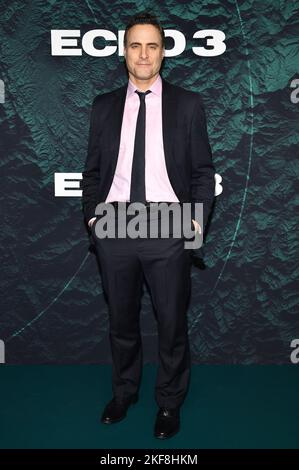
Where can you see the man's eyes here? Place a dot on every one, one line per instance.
(151, 47)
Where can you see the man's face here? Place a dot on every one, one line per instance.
(144, 52)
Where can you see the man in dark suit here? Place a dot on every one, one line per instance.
(148, 143)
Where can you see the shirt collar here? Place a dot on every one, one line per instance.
(155, 88)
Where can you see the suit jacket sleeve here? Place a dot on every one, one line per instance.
(203, 171)
(91, 174)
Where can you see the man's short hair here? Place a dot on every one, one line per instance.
(144, 18)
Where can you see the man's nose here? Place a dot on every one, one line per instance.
(143, 53)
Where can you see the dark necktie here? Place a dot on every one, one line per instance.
(137, 193)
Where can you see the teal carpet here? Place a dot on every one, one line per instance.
(231, 407)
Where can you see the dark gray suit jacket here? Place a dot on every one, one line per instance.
(187, 150)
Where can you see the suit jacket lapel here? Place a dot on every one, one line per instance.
(113, 126)
(168, 126)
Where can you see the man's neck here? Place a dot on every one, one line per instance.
(143, 85)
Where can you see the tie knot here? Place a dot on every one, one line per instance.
(142, 94)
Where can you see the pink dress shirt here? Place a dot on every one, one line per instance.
(157, 184)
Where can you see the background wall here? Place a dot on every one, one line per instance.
(244, 305)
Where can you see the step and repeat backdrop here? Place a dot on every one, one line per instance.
(243, 57)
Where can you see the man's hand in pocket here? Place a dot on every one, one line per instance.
(197, 227)
(91, 221)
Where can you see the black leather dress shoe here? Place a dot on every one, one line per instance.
(116, 409)
(167, 423)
